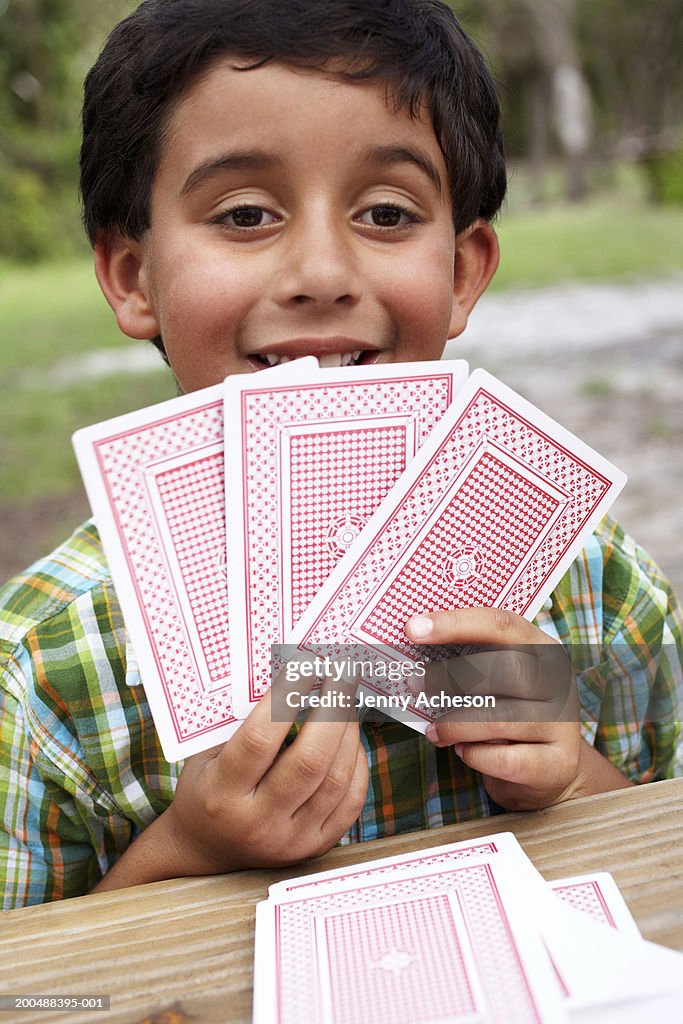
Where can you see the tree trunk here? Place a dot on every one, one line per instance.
(539, 140)
(553, 22)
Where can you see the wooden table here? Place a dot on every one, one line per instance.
(181, 951)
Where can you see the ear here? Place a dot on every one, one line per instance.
(119, 268)
(476, 261)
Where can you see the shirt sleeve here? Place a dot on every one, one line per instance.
(82, 772)
(632, 696)
(55, 819)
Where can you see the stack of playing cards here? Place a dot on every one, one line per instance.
(468, 932)
(322, 507)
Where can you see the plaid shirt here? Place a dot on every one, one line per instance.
(82, 772)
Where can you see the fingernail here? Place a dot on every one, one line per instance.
(432, 734)
(420, 626)
(458, 749)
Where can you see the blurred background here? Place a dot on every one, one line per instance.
(585, 317)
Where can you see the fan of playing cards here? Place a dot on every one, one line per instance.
(317, 507)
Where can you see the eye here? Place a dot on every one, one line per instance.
(245, 217)
(388, 215)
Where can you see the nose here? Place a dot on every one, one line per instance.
(319, 266)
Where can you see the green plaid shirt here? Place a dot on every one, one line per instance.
(81, 769)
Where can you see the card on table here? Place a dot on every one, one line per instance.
(432, 857)
(307, 463)
(155, 482)
(598, 896)
(595, 895)
(415, 940)
(491, 512)
(599, 965)
(591, 941)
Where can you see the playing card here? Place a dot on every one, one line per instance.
(155, 481)
(593, 971)
(599, 966)
(598, 897)
(420, 944)
(428, 859)
(491, 512)
(307, 463)
(655, 1006)
(595, 895)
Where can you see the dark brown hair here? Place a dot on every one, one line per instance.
(153, 56)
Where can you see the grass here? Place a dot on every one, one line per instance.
(597, 387)
(604, 240)
(51, 313)
(36, 458)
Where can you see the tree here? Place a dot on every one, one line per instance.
(45, 48)
(635, 56)
(554, 24)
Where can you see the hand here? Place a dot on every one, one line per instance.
(528, 748)
(246, 804)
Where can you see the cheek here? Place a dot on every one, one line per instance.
(195, 324)
(425, 293)
(205, 300)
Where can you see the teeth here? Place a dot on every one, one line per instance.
(330, 359)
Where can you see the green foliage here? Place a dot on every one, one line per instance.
(633, 55)
(665, 174)
(37, 221)
(45, 48)
(23, 228)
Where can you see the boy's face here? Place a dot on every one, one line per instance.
(295, 214)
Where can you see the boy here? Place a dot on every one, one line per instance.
(266, 180)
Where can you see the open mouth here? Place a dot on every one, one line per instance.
(327, 359)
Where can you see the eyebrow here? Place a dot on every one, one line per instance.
(386, 156)
(255, 160)
(237, 161)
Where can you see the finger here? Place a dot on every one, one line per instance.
(517, 720)
(507, 672)
(243, 761)
(474, 626)
(302, 767)
(334, 786)
(521, 693)
(349, 808)
(523, 764)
